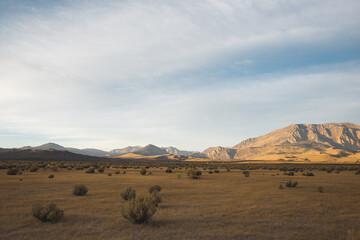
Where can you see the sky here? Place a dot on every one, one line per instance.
(190, 74)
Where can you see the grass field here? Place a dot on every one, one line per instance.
(224, 205)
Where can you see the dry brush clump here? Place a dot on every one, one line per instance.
(12, 171)
(80, 190)
(193, 173)
(128, 194)
(143, 171)
(155, 188)
(291, 184)
(156, 197)
(139, 210)
(308, 174)
(47, 213)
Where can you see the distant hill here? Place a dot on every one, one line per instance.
(121, 151)
(46, 146)
(173, 150)
(87, 151)
(151, 150)
(43, 155)
(301, 141)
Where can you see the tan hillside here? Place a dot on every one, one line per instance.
(220, 153)
(336, 135)
(331, 142)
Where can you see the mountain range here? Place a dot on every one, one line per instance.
(296, 141)
(332, 142)
(148, 150)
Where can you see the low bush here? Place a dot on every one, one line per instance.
(357, 172)
(47, 212)
(320, 189)
(90, 170)
(128, 194)
(101, 170)
(178, 176)
(291, 184)
(193, 173)
(34, 168)
(51, 176)
(247, 174)
(210, 172)
(117, 172)
(216, 171)
(281, 186)
(289, 173)
(169, 170)
(308, 174)
(80, 190)
(109, 174)
(143, 171)
(156, 197)
(12, 171)
(155, 188)
(139, 210)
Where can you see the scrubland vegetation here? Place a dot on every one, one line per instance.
(271, 202)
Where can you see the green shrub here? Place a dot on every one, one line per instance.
(139, 210)
(128, 194)
(291, 184)
(156, 197)
(51, 176)
(193, 173)
(12, 171)
(155, 188)
(143, 171)
(80, 190)
(47, 213)
(178, 176)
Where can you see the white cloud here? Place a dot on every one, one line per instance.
(107, 75)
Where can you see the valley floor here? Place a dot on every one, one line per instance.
(224, 205)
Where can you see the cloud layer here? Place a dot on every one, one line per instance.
(189, 74)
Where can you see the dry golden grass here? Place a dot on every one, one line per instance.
(226, 205)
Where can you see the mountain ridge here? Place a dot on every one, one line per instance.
(304, 137)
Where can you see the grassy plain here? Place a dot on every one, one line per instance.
(224, 205)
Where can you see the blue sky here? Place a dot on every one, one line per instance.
(189, 74)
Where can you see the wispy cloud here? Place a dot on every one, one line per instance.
(189, 74)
